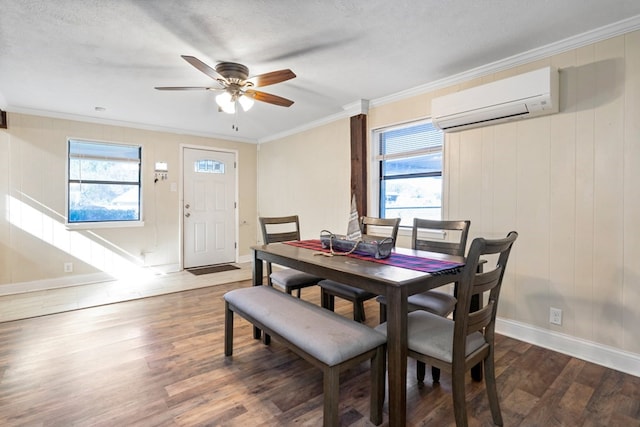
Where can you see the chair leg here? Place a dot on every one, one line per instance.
(383, 313)
(492, 389)
(420, 370)
(328, 301)
(459, 402)
(435, 374)
(358, 311)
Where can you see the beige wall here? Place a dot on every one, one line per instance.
(34, 243)
(308, 175)
(568, 183)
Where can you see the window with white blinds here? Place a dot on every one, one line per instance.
(408, 162)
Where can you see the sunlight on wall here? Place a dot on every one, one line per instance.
(95, 253)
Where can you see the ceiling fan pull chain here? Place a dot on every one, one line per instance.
(234, 126)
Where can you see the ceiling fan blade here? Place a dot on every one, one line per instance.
(267, 97)
(273, 77)
(204, 68)
(184, 88)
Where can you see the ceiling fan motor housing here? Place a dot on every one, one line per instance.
(233, 72)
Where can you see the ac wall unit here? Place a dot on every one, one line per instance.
(523, 96)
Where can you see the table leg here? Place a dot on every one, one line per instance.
(397, 354)
(257, 281)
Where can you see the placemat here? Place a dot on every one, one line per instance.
(426, 265)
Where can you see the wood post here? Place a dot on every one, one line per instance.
(359, 161)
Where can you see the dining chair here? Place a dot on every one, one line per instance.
(454, 243)
(285, 229)
(456, 345)
(455, 233)
(372, 227)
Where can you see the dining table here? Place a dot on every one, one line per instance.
(396, 278)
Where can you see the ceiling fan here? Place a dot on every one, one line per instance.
(236, 86)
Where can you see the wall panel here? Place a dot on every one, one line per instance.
(568, 183)
(631, 194)
(608, 182)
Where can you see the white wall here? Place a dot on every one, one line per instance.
(568, 183)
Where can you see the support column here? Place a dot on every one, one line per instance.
(359, 161)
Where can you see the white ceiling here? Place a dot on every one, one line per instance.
(64, 58)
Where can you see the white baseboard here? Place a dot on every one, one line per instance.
(600, 354)
(55, 283)
(245, 258)
(74, 280)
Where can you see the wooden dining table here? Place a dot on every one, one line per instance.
(396, 283)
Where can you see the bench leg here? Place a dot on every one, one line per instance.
(331, 398)
(378, 371)
(228, 330)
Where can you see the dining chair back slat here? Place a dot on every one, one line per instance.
(369, 226)
(285, 229)
(449, 246)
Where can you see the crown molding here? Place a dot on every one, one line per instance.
(122, 123)
(353, 109)
(574, 42)
(307, 126)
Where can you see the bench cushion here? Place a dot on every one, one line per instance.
(328, 337)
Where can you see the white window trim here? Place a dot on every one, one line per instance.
(373, 171)
(101, 224)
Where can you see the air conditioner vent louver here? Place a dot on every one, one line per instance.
(523, 96)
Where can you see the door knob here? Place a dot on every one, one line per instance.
(187, 206)
(187, 214)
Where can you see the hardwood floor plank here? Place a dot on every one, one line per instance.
(159, 361)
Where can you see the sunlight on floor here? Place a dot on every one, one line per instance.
(39, 303)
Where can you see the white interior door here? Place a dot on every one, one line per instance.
(208, 207)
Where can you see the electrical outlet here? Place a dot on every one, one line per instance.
(68, 267)
(555, 316)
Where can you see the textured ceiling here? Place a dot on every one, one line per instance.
(66, 57)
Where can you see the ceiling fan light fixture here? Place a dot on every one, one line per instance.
(245, 102)
(226, 102)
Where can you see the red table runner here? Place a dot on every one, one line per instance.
(426, 265)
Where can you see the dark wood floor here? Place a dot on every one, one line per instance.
(159, 362)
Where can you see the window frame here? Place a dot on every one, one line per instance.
(375, 165)
(79, 225)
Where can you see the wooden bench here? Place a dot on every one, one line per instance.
(327, 340)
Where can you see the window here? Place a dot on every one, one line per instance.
(408, 162)
(103, 182)
(208, 166)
